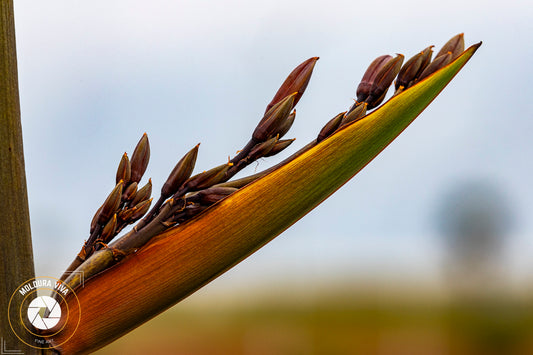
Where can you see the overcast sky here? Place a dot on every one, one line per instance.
(95, 75)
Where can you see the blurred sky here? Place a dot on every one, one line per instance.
(95, 75)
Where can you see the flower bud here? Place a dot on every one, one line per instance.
(207, 178)
(111, 204)
(124, 170)
(213, 194)
(355, 114)
(286, 124)
(330, 127)
(426, 59)
(94, 221)
(410, 69)
(140, 158)
(279, 146)
(143, 193)
(438, 63)
(364, 87)
(124, 215)
(296, 82)
(109, 230)
(181, 172)
(273, 121)
(262, 149)
(129, 192)
(189, 212)
(456, 46)
(382, 81)
(139, 210)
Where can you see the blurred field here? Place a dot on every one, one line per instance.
(337, 323)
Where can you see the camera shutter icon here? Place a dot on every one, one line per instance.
(44, 312)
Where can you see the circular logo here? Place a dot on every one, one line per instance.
(44, 312)
(40, 310)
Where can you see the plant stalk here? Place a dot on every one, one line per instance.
(16, 264)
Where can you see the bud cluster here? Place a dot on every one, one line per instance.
(184, 195)
(380, 74)
(421, 66)
(126, 203)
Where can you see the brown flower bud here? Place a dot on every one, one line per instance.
(406, 79)
(111, 204)
(261, 149)
(456, 46)
(364, 87)
(436, 64)
(409, 71)
(139, 210)
(286, 124)
(207, 178)
(109, 230)
(94, 221)
(355, 114)
(296, 82)
(279, 146)
(378, 101)
(129, 192)
(213, 194)
(382, 81)
(181, 172)
(426, 59)
(140, 158)
(330, 127)
(273, 120)
(124, 169)
(143, 193)
(125, 214)
(189, 212)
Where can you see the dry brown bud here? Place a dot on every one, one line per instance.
(273, 121)
(426, 59)
(94, 221)
(111, 204)
(456, 46)
(262, 149)
(296, 82)
(125, 214)
(286, 124)
(109, 230)
(409, 70)
(436, 64)
(143, 193)
(139, 210)
(129, 192)
(355, 114)
(378, 101)
(140, 158)
(207, 178)
(330, 127)
(181, 172)
(124, 169)
(364, 87)
(189, 212)
(382, 81)
(213, 194)
(279, 146)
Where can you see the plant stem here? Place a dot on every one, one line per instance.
(16, 264)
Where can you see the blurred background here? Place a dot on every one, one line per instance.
(426, 251)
